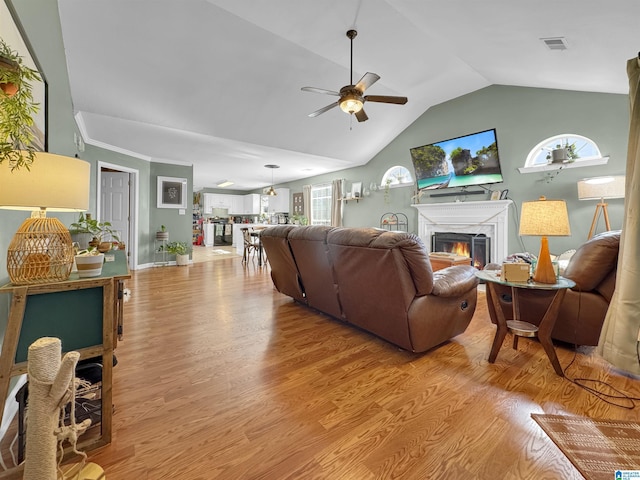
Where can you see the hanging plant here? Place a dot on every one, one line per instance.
(387, 188)
(17, 109)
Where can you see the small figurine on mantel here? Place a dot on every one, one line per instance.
(51, 387)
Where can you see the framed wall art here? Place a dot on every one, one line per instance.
(172, 192)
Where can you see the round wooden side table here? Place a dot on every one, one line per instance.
(517, 327)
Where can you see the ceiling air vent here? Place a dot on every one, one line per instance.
(555, 43)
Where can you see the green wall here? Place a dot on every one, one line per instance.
(179, 226)
(522, 117)
(41, 25)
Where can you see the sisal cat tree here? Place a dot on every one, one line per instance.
(51, 387)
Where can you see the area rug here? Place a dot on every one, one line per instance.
(208, 254)
(597, 448)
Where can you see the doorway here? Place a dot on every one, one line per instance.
(117, 203)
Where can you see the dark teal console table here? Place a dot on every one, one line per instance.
(86, 314)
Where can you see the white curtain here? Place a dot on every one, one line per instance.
(336, 203)
(306, 202)
(621, 330)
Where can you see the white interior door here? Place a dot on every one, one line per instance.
(114, 203)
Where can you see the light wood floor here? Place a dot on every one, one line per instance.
(222, 377)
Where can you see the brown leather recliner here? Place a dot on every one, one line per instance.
(285, 277)
(380, 281)
(310, 250)
(584, 307)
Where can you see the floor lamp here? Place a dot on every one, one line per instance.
(599, 188)
(41, 250)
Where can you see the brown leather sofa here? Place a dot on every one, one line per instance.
(377, 280)
(583, 309)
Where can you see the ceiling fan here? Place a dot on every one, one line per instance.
(352, 96)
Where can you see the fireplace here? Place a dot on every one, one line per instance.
(487, 217)
(476, 246)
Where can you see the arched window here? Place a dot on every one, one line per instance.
(397, 176)
(563, 149)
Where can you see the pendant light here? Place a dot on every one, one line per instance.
(271, 192)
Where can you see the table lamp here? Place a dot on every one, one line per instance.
(544, 218)
(41, 250)
(599, 188)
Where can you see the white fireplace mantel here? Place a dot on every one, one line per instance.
(488, 217)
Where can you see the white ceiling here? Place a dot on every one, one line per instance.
(216, 84)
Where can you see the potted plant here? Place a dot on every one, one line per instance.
(17, 109)
(180, 250)
(89, 262)
(563, 153)
(387, 188)
(299, 220)
(88, 232)
(162, 234)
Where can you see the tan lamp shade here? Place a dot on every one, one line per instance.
(53, 182)
(598, 188)
(544, 218)
(41, 250)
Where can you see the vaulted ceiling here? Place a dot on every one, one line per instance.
(216, 84)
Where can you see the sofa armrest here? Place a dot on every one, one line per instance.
(454, 281)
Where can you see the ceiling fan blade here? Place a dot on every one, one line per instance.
(322, 110)
(361, 116)
(367, 80)
(320, 90)
(386, 99)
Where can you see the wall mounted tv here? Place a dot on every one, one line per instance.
(458, 162)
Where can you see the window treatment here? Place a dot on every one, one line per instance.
(620, 332)
(306, 202)
(336, 203)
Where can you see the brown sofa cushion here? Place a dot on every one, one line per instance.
(410, 245)
(594, 261)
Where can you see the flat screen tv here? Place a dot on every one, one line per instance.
(458, 162)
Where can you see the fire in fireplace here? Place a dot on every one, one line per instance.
(475, 246)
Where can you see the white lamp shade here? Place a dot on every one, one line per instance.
(597, 188)
(53, 182)
(544, 218)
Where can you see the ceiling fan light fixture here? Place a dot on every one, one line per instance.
(351, 103)
(352, 96)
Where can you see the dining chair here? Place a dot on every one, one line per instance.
(251, 245)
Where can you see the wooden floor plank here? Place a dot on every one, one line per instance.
(220, 376)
